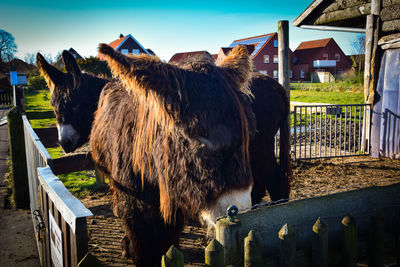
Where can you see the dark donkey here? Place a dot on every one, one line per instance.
(270, 105)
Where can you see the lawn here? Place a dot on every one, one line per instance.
(326, 97)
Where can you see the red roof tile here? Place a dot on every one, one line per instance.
(314, 44)
(116, 43)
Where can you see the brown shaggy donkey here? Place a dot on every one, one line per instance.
(75, 96)
(175, 144)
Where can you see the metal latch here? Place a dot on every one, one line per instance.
(40, 226)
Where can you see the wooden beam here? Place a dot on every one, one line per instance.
(299, 20)
(283, 55)
(345, 14)
(340, 5)
(391, 26)
(386, 3)
(390, 13)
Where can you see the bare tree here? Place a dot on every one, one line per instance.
(30, 58)
(358, 56)
(7, 46)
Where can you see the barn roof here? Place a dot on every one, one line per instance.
(349, 15)
(257, 41)
(178, 57)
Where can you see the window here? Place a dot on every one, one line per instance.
(290, 74)
(74, 55)
(337, 57)
(275, 58)
(275, 74)
(124, 51)
(302, 74)
(325, 56)
(340, 72)
(266, 58)
(275, 43)
(264, 72)
(135, 51)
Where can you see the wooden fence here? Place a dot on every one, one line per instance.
(59, 218)
(341, 229)
(6, 98)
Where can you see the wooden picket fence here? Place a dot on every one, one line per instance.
(343, 229)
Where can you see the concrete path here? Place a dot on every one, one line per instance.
(17, 239)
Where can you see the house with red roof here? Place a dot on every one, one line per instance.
(128, 45)
(263, 50)
(179, 57)
(322, 55)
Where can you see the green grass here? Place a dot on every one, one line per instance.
(326, 97)
(55, 152)
(38, 109)
(80, 183)
(37, 100)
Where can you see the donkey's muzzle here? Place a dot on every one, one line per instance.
(67, 144)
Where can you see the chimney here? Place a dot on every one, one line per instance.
(121, 35)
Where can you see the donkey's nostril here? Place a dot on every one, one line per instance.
(66, 144)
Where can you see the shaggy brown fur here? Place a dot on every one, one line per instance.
(172, 143)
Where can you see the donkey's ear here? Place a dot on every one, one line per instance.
(72, 67)
(52, 75)
(238, 63)
(119, 64)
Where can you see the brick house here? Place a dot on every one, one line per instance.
(128, 45)
(322, 55)
(264, 52)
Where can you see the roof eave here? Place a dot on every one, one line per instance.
(300, 19)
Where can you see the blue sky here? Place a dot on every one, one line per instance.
(167, 27)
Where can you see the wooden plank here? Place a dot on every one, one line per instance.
(391, 26)
(340, 5)
(386, 3)
(66, 242)
(45, 212)
(73, 163)
(301, 214)
(345, 14)
(299, 20)
(70, 207)
(390, 13)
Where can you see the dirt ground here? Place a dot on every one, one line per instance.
(311, 178)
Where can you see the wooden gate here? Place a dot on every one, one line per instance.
(59, 218)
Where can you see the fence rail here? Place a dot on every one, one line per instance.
(322, 131)
(59, 218)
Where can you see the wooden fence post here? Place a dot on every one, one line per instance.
(227, 233)
(376, 240)
(350, 237)
(18, 157)
(214, 254)
(252, 250)
(287, 252)
(320, 244)
(173, 258)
